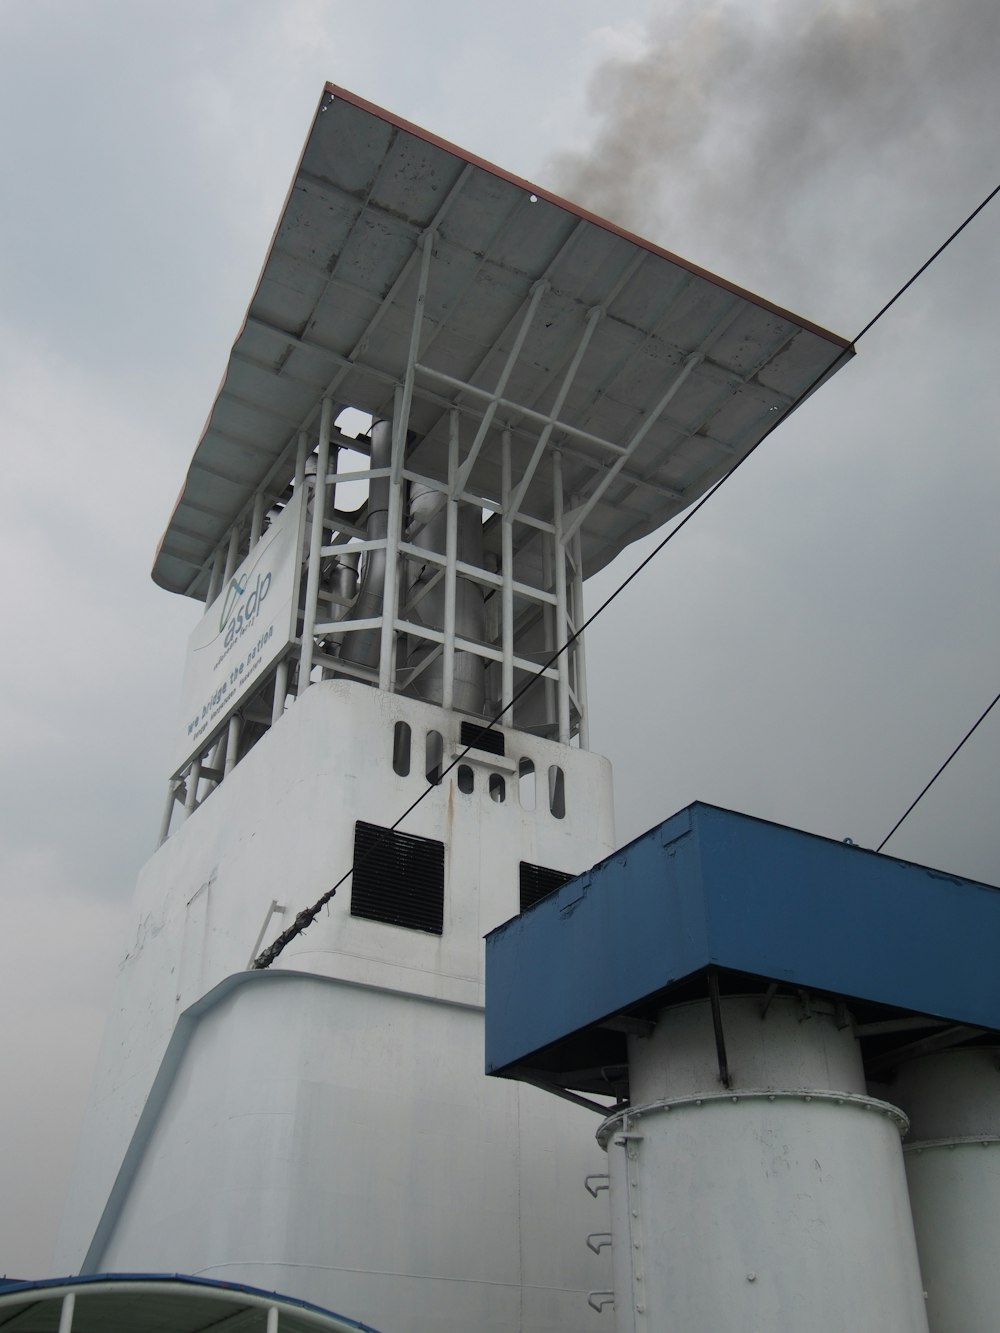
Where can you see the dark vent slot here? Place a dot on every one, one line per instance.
(537, 881)
(474, 734)
(398, 878)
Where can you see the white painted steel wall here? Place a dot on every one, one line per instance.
(953, 1168)
(778, 1205)
(317, 1140)
(334, 1136)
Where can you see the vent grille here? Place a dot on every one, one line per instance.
(398, 878)
(538, 881)
(475, 735)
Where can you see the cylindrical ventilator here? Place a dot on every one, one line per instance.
(777, 1203)
(953, 1166)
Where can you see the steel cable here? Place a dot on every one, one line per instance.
(309, 914)
(917, 799)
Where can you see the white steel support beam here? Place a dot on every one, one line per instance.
(232, 744)
(415, 598)
(191, 795)
(474, 275)
(474, 572)
(487, 653)
(168, 811)
(538, 290)
(471, 497)
(728, 317)
(256, 519)
(593, 316)
(66, 1312)
(580, 514)
(215, 578)
(280, 690)
(507, 574)
(348, 363)
(340, 666)
(580, 654)
(549, 621)
(301, 454)
(390, 592)
(232, 554)
(428, 661)
(284, 666)
(315, 545)
(216, 760)
(450, 572)
(562, 630)
(529, 413)
(402, 398)
(332, 479)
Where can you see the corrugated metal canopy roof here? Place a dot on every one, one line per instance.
(333, 312)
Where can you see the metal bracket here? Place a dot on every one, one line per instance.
(597, 1300)
(596, 1189)
(276, 909)
(720, 1037)
(632, 1027)
(598, 1240)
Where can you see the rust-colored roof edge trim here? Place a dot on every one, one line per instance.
(334, 90)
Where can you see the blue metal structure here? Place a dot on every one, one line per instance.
(711, 893)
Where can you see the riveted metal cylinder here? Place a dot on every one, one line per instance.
(776, 1203)
(953, 1169)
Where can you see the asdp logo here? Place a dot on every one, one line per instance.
(240, 608)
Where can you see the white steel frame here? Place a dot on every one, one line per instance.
(158, 1293)
(559, 597)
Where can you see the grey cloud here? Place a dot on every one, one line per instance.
(798, 142)
(808, 649)
(822, 634)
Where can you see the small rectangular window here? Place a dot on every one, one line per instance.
(537, 881)
(398, 878)
(475, 735)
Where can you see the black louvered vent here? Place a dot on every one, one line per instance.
(398, 878)
(473, 734)
(537, 881)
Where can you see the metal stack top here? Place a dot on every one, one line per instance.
(333, 313)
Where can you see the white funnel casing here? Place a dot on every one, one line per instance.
(777, 1204)
(325, 1127)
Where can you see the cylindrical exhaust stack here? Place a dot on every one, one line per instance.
(775, 1203)
(953, 1166)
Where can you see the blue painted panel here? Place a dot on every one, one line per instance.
(785, 904)
(586, 951)
(713, 887)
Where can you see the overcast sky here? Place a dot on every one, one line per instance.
(808, 650)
